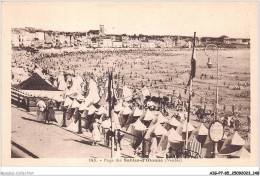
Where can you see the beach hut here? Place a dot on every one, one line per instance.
(159, 118)
(242, 153)
(68, 102)
(36, 82)
(72, 126)
(91, 110)
(57, 98)
(173, 122)
(118, 107)
(102, 110)
(138, 112)
(247, 146)
(148, 118)
(233, 143)
(182, 129)
(171, 139)
(159, 130)
(137, 129)
(75, 103)
(200, 133)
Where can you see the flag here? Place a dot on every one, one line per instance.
(145, 91)
(193, 65)
(111, 94)
(193, 68)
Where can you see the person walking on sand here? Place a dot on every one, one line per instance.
(50, 113)
(41, 110)
(95, 133)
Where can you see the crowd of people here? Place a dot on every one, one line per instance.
(84, 96)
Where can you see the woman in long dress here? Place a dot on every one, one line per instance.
(96, 133)
(41, 110)
(50, 113)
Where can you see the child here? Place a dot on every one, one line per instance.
(95, 133)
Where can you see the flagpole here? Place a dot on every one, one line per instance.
(190, 93)
(110, 111)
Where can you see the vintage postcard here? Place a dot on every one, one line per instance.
(129, 84)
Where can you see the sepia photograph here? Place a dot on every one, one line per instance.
(131, 82)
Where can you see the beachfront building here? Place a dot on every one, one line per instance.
(134, 42)
(94, 43)
(125, 40)
(38, 39)
(64, 40)
(146, 44)
(182, 41)
(225, 40)
(87, 41)
(117, 44)
(49, 39)
(28, 38)
(101, 42)
(107, 42)
(242, 41)
(168, 42)
(158, 43)
(16, 38)
(93, 33)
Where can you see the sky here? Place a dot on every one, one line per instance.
(152, 18)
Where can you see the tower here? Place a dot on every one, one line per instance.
(101, 30)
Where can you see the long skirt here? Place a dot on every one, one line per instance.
(51, 115)
(96, 135)
(41, 116)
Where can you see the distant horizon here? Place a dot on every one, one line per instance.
(137, 34)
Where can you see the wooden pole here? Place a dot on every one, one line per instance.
(64, 117)
(190, 94)
(79, 125)
(110, 112)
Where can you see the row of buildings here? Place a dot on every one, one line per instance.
(30, 37)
